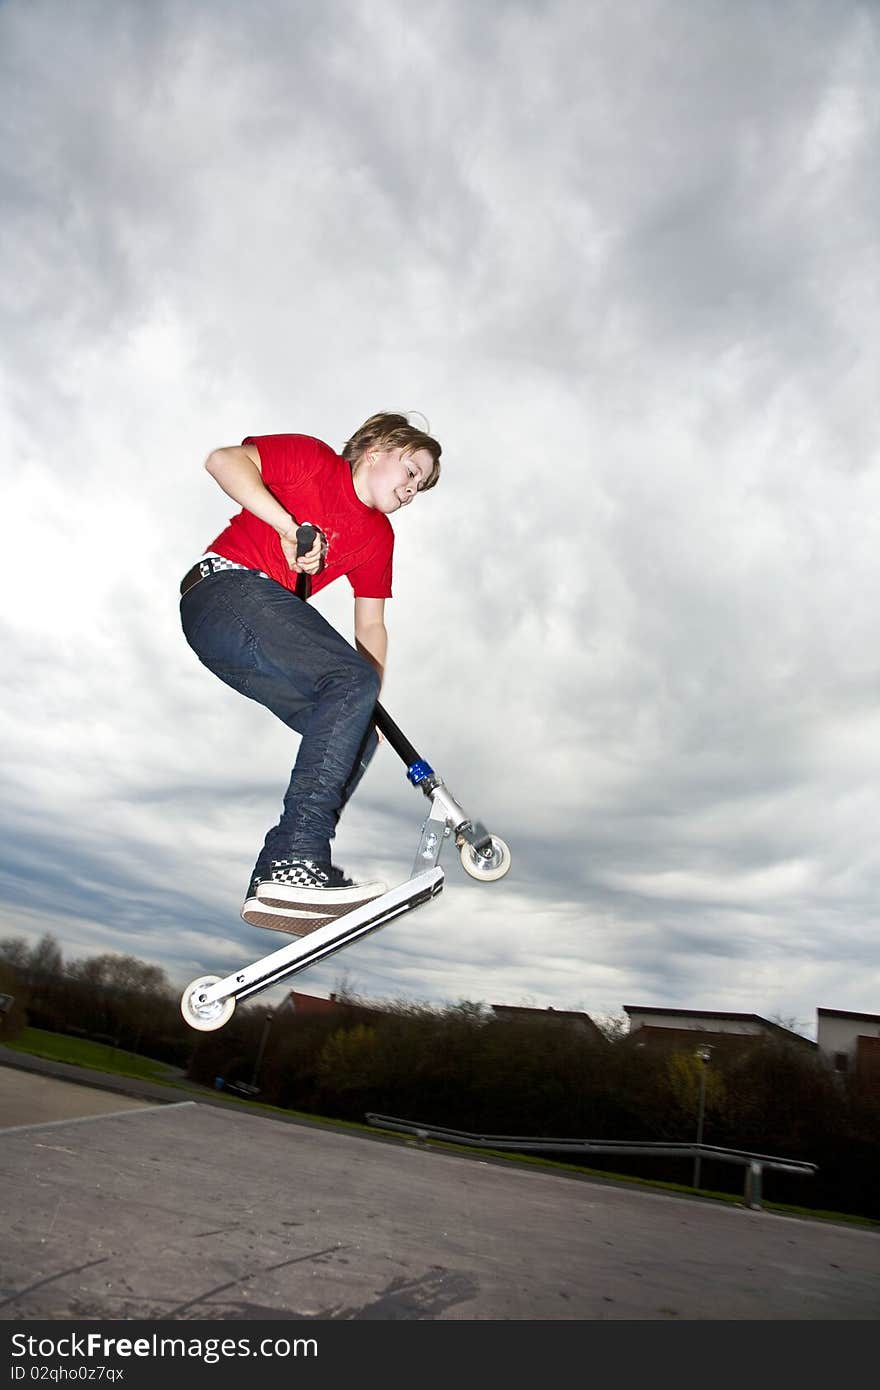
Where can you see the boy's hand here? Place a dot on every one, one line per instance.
(311, 562)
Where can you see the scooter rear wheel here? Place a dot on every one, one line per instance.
(486, 867)
(205, 1017)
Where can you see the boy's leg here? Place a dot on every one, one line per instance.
(328, 765)
(263, 641)
(362, 761)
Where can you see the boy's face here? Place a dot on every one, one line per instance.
(389, 479)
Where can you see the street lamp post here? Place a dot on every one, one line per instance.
(704, 1054)
(266, 1026)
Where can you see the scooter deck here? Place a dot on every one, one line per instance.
(324, 941)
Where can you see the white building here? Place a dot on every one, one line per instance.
(677, 1027)
(848, 1042)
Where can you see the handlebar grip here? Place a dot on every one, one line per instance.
(305, 539)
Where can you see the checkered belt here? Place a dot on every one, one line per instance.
(211, 564)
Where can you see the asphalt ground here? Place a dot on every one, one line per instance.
(195, 1210)
(32, 1099)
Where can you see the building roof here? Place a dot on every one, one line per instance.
(719, 1015)
(301, 1003)
(568, 1015)
(528, 1009)
(701, 1013)
(846, 1013)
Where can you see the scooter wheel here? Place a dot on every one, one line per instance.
(205, 1017)
(486, 866)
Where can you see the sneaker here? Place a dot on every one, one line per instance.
(312, 888)
(293, 921)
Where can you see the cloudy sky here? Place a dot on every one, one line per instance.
(623, 255)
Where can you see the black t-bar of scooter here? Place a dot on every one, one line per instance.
(417, 770)
(305, 539)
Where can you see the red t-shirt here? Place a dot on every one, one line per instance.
(315, 485)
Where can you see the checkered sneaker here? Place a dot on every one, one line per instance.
(299, 873)
(304, 883)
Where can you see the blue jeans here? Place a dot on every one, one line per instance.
(266, 643)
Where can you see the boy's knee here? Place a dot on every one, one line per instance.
(359, 674)
(370, 678)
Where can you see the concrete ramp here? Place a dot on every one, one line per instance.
(31, 1099)
(193, 1212)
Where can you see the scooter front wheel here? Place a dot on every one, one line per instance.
(486, 865)
(201, 1016)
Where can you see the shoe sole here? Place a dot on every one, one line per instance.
(331, 902)
(259, 914)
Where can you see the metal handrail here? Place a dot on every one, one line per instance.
(754, 1164)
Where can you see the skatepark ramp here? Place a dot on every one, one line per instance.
(187, 1212)
(754, 1164)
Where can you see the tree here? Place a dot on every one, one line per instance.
(39, 962)
(110, 971)
(16, 951)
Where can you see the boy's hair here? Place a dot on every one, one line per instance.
(389, 431)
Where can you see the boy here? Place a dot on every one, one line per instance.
(242, 618)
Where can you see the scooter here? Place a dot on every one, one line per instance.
(209, 1002)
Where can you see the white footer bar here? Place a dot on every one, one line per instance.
(342, 931)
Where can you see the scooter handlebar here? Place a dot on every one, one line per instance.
(305, 538)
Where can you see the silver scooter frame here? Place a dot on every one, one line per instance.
(208, 1002)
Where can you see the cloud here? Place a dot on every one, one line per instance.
(625, 262)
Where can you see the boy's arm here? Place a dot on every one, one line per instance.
(370, 633)
(237, 470)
